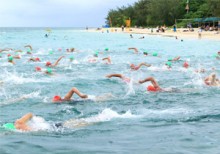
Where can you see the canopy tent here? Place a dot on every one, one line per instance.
(210, 19)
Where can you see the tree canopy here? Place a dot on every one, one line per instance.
(146, 13)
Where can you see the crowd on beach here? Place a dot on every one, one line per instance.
(21, 124)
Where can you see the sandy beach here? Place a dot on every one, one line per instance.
(180, 34)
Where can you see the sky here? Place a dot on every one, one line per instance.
(57, 13)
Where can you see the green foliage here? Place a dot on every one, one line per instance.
(147, 13)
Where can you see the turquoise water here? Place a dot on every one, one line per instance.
(127, 118)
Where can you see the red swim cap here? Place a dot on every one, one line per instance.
(48, 63)
(37, 59)
(186, 65)
(9, 55)
(151, 88)
(37, 68)
(56, 98)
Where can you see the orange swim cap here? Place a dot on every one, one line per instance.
(48, 63)
(56, 98)
(37, 68)
(151, 88)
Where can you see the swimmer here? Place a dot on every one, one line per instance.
(133, 67)
(70, 50)
(145, 53)
(58, 99)
(34, 59)
(20, 124)
(174, 59)
(131, 36)
(211, 80)
(154, 87)
(108, 60)
(10, 59)
(125, 79)
(49, 64)
(23, 125)
(135, 49)
(141, 37)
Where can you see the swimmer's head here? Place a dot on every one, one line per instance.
(9, 126)
(9, 55)
(155, 54)
(106, 49)
(132, 66)
(96, 54)
(185, 64)
(56, 98)
(71, 58)
(151, 88)
(49, 71)
(37, 68)
(10, 58)
(170, 59)
(145, 53)
(48, 63)
(37, 59)
(169, 64)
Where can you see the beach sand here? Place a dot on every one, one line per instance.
(180, 34)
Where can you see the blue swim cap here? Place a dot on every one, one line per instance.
(9, 126)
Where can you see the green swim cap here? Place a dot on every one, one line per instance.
(49, 70)
(10, 58)
(71, 57)
(155, 54)
(106, 49)
(51, 52)
(145, 52)
(169, 64)
(170, 59)
(9, 126)
(215, 55)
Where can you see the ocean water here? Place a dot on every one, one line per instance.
(119, 117)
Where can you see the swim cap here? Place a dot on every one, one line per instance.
(9, 55)
(71, 58)
(186, 65)
(170, 59)
(37, 59)
(106, 49)
(48, 63)
(28, 50)
(215, 55)
(145, 52)
(10, 58)
(37, 68)
(169, 63)
(151, 88)
(49, 70)
(51, 52)
(56, 98)
(155, 54)
(9, 126)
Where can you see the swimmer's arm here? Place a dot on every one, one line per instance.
(135, 49)
(114, 75)
(143, 64)
(56, 63)
(28, 46)
(25, 118)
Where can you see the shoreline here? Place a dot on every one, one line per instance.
(211, 35)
